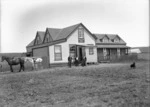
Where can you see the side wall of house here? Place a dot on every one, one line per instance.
(73, 39)
(91, 58)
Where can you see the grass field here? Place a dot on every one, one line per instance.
(103, 85)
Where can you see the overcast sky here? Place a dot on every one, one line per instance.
(21, 19)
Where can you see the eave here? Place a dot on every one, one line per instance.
(47, 44)
(110, 43)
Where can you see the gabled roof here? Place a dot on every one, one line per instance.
(100, 36)
(59, 34)
(31, 43)
(53, 32)
(41, 34)
(65, 32)
(110, 36)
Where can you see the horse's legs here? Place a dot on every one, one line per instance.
(11, 68)
(20, 68)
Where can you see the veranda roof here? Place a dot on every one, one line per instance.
(112, 46)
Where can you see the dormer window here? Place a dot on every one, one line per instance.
(112, 40)
(105, 40)
(117, 40)
(101, 40)
(37, 40)
(80, 35)
(47, 39)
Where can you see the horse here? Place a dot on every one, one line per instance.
(34, 61)
(14, 61)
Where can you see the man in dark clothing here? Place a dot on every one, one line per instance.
(84, 61)
(76, 61)
(69, 61)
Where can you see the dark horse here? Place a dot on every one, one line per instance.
(14, 61)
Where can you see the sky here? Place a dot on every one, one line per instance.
(21, 19)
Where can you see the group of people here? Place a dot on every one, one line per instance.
(76, 61)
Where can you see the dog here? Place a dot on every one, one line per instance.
(133, 65)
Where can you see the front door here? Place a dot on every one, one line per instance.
(80, 52)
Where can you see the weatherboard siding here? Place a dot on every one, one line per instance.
(73, 39)
(91, 58)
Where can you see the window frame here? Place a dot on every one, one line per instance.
(116, 40)
(91, 52)
(47, 39)
(101, 40)
(112, 40)
(105, 40)
(81, 38)
(57, 53)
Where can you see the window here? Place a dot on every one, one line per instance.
(101, 40)
(91, 51)
(81, 35)
(47, 39)
(105, 40)
(117, 40)
(58, 52)
(112, 40)
(126, 51)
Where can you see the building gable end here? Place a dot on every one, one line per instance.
(85, 29)
(47, 37)
(37, 39)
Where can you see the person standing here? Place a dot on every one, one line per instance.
(69, 61)
(76, 61)
(84, 61)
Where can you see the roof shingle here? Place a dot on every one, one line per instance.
(110, 36)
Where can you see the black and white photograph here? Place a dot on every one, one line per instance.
(74, 53)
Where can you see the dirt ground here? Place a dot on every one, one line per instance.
(102, 85)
